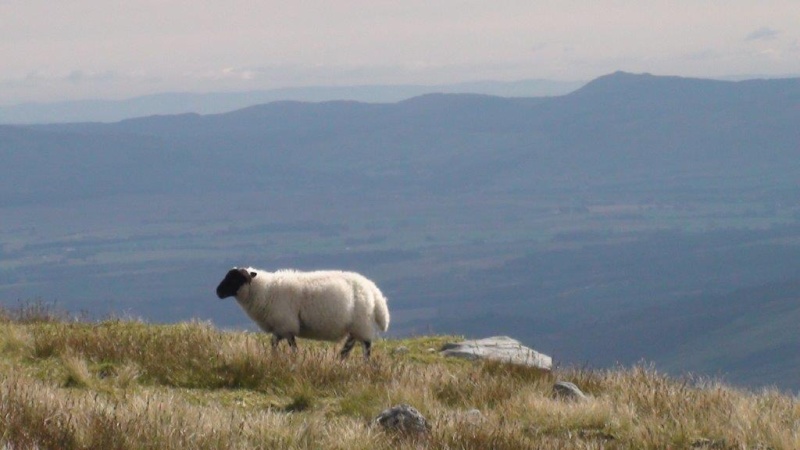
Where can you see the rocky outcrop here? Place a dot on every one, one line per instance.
(500, 348)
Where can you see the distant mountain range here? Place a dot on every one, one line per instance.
(214, 103)
(637, 217)
(622, 128)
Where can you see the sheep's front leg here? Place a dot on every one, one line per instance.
(367, 348)
(348, 345)
(276, 340)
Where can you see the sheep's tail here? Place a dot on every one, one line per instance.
(381, 314)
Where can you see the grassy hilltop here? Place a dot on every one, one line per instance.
(128, 384)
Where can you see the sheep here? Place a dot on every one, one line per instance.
(321, 305)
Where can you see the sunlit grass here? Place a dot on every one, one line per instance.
(128, 384)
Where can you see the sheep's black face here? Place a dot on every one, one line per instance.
(234, 279)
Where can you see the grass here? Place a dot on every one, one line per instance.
(122, 384)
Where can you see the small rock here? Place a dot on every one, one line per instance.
(705, 443)
(473, 416)
(568, 391)
(402, 350)
(601, 435)
(403, 418)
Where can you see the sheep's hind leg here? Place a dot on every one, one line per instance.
(348, 345)
(367, 349)
(276, 339)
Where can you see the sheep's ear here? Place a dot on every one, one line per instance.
(253, 274)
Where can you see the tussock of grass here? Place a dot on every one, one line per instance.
(77, 371)
(127, 384)
(36, 311)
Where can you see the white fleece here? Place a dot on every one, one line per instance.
(323, 305)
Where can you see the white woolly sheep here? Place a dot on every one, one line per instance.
(321, 305)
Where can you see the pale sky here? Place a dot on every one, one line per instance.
(76, 49)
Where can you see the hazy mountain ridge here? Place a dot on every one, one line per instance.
(215, 103)
(621, 125)
(570, 222)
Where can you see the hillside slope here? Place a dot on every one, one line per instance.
(121, 384)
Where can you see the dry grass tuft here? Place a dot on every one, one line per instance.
(36, 311)
(77, 370)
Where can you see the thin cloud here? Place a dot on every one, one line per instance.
(763, 34)
(703, 55)
(81, 76)
(76, 76)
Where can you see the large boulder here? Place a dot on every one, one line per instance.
(499, 348)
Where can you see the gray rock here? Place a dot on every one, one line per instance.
(403, 418)
(568, 391)
(473, 416)
(500, 348)
(402, 350)
(705, 443)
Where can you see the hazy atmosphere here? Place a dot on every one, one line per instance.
(95, 49)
